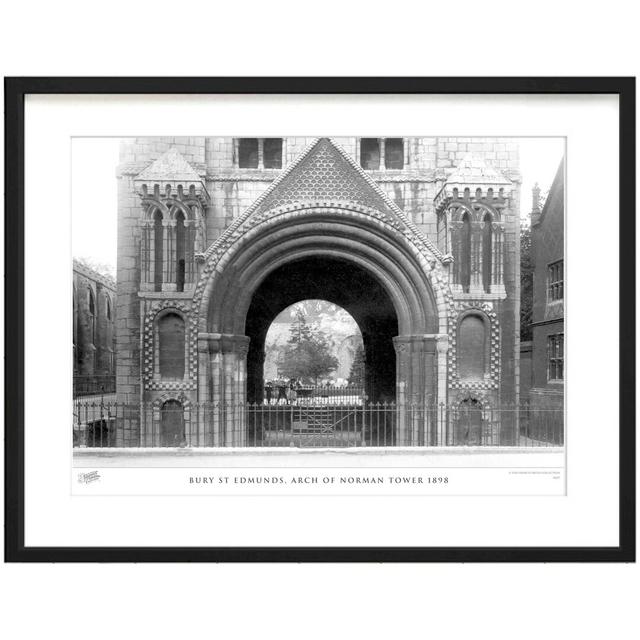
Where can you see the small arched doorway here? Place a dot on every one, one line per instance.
(469, 423)
(172, 424)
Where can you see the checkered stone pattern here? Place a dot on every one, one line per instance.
(494, 349)
(191, 322)
(324, 175)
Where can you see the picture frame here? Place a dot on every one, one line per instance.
(16, 338)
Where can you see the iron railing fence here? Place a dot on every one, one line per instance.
(93, 385)
(105, 424)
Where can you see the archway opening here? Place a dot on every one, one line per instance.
(314, 353)
(339, 283)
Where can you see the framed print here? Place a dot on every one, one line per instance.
(320, 319)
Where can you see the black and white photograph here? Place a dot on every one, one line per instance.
(320, 320)
(359, 318)
(398, 298)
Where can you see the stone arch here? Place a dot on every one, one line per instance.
(377, 243)
(410, 273)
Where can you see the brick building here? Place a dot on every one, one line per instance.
(94, 336)
(417, 238)
(547, 248)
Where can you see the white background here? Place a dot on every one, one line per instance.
(587, 516)
(318, 601)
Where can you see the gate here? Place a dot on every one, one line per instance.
(307, 425)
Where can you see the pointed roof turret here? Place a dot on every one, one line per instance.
(474, 173)
(172, 169)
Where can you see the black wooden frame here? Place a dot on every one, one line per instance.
(15, 91)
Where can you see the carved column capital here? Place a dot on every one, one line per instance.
(442, 343)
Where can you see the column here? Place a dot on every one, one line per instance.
(416, 389)
(204, 413)
(260, 153)
(442, 347)
(497, 258)
(223, 367)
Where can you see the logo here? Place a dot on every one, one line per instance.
(88, 477)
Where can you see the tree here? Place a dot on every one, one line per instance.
(307, 353)
(526, 284)
(101, 267)
(527, 267)
(356, 375)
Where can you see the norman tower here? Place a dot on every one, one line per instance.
(418, 238)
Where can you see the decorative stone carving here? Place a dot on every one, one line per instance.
(485, 309)
(191, 337)
(324, 179)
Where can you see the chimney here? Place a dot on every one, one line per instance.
(535, 204)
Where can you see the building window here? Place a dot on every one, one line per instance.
(107, 307)
(555, 281)
(370, 153)
(260, 153)
(471, 348)
(394, 153)
(248, 153)
(171, 346)
(555, 357)
(180, 251)
(92, 316)
(376, 153)
(158, 245)
(273, 153)
(486, 253)
(465, 253)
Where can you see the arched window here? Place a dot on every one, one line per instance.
(180, 251)
(465, 253)
(171, 346)
(158, 242)
(92, 316)
(107, 307)
(486, 253)
(472, 348)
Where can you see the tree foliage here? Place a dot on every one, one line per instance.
(101, 267)
(526, 284)
(307, 354)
